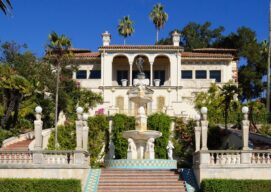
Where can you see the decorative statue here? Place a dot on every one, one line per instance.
(61, 118)
(139, 64)
(170, 148)
(132, 153)
(111, 150)
(149, 153)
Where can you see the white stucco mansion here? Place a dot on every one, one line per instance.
(173, 75)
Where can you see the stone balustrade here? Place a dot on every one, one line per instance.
(44, 158)
(16, 157)
(232, 157)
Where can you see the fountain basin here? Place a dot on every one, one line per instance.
(141, 164)
(140, 100)
(141, 135)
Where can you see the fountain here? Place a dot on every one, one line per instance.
(142, 137)
(141, 140)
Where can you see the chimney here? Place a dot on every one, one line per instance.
(176, 38)
(106, 38)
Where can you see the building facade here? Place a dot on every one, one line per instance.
(173, 75)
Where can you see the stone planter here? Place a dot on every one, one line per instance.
(124, 82)
(157, 82)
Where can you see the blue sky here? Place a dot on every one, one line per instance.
(84, 20)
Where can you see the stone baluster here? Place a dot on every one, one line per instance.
(204, 128)
(197, 133)
(37, 155)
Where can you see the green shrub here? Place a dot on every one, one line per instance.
(224, 185)
(40, 185)
(98, 137)
(66, 136)
(121, 123)
(4, 134)
(184, 140)
(160, 122)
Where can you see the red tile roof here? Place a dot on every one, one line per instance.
(188, 55)
(135, 47)
(88, 54)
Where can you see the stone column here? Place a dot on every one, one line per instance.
(79, 129)
(151, 71)
(197, 133)
(37, 155)
(204, 128)
(85, 132)
(130, 73)
(245, 128)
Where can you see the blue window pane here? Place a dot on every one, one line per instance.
(95, 74)
(215, 74)
(201, 74)
(81, 74)
(187, 74)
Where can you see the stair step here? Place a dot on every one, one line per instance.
(129, 180)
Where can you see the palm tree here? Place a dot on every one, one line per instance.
(159, 18)
(4, 6)
(126, 27)
(268, 63)
(229, 92)
(58, 49)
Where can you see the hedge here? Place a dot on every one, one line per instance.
(160, 122)
(121, 123)
(40, 185)
(230, 185)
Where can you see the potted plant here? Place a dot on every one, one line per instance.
(124, 82)
(157, 82)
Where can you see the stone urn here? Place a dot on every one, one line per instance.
(124, 82)
(157, 82)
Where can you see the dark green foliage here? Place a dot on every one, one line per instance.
(224, 185)
(184, 140)
(160, 122)
(4, 134)
(215, 135)
(121, 123)
(40, 185)
(98, 137)
(66, 136)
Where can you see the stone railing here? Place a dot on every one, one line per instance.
(44, 158)
(16, 157)
(232, 157)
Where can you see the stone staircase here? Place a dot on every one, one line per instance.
(130, 180)
(20, 145)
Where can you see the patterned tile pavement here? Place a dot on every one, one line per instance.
(92, 180)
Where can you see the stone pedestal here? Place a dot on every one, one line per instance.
(204, 134)
(38, 134)
(85, 137)
(197, 138)
(79, 158)
(246, 157)
(204, 158)
(245, 130)
(79, 134)
(37, 157)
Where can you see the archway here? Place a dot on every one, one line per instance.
(120, 69)
(161, 70)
